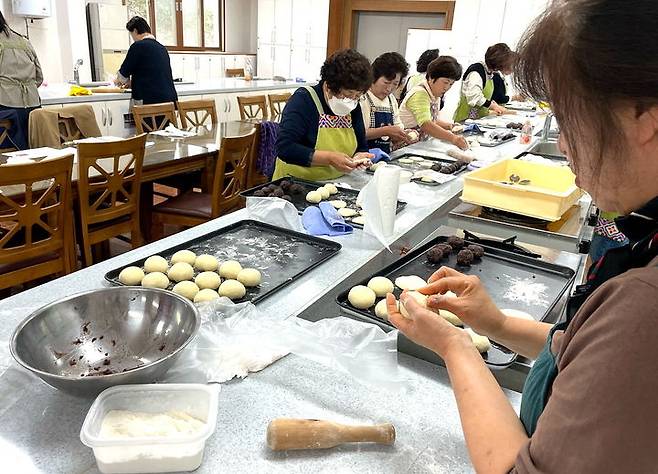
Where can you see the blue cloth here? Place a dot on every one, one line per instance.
(379, 155)
(324, 220)
(269, 131)
(472, 127)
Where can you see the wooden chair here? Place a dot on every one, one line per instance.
(253, 107)
(229, 181)
(5, 126)
(68, 130)
(277, 103)
(109, 180)
(149, 118)
(195, 113)
(237, 72)
(36, 229)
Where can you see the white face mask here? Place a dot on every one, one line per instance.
(342, 106)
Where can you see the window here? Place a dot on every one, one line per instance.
(183, 24)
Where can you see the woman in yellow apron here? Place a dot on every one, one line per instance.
(322, 135)
(477, 87)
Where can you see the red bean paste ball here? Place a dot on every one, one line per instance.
(457, 243)
(259, 193)
(465, 258)
(285, 185)
(277, 192)
(445, 248)
(296, 188)
(434, 255)
(287, 197)
(478, 251)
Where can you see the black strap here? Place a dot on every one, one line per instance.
(479, 68)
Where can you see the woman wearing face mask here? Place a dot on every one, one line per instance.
(322, 135)
(589, 402)
(420, 108)
(477, 90)
(380, 109)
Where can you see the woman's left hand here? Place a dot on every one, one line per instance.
(362, 160)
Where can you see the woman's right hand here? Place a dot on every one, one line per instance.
(341, 161)
(397, 134)
(473, 305)
(459, 141)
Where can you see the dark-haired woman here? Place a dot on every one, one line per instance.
(420, 108)
(477, 89)
(589, 402)
(20, 77)
(423, 62)
(322, 135)
(379, 106)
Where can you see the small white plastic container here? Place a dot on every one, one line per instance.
(151, 454)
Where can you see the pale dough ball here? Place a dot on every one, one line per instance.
(420, 298)
(481, 343)
(331, 187)
(324, 192)
(249, 277)
(405, 161)
(131, 276)
(380, 285)
(205, 280)
(410, 282)
(417, 158)
(187, 289)
(381, 310)
(377, 165)
(361, 297)
(186, 256)
(359, 220)
(515, 313)
(230, 269)
(347, 212)
(452, 318)
(338, 204)
(314, 197)
(232, 289)
(156, 263)
(426, 164)
(427, 179)
(206, 295)
(155, 280)
(206, 263)
(180, 271)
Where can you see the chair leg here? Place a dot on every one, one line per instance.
(86, 253)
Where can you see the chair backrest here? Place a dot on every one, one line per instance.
(36, 219)
(230, 178)
(5, 126)
(68, 130)
(149, 118)
(253, 107)
(237, 72)
(195, 113)
(109, 179)
(277, 103)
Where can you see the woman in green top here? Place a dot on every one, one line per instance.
(477, 87)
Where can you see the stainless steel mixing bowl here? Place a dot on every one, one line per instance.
(87, 342)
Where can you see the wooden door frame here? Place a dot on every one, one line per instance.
(343, 16)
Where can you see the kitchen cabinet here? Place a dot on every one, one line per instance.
(226, 106)
(114, 118)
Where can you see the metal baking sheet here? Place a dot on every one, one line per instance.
(416, 167)
(300, 202)
(514, 282)
(281, 255)
(490, 144)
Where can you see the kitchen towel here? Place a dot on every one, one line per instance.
(379, 155)
(324, 220)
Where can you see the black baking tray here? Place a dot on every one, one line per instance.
(281, 255)
(300, 202)
(415, 167)
(499, 142)
(501, 271)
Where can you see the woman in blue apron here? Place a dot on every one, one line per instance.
(381, 117)
(589, 402)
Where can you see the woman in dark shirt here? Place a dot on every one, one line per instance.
(322, 135)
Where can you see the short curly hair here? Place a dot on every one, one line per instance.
(444, 66)
(425, 59)
(347, 69)
(499, 56)
(388, 65)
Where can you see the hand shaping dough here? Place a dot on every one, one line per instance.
(180, 271)
(230, 269)
(338, 204)
(347, 212)
(156, 263)
(380, 285)
(481, 343)
(361, 297)
(249, 277)
(331, 187)
(206, 263)
(314, 197)
(187, 289)
(186, 256)
(155, 280)
(420, 298)
(206, 295)
(232, 289)
(411, 282)
(131, 276)
(452, 318)
(205, 280)
(381, 310)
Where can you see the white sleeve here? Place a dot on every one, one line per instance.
(396, 114)
(365, 110)
(472, 88)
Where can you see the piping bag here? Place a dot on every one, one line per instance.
(379, 201)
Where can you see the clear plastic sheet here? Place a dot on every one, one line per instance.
(378, 199)
(275, 211)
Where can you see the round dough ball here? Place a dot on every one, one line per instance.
(359, 220)
(230, 269)
(361, 297)
(249, 277)
(381, 310)
(417, 158)
(187, 289)
(156, 263)
(155, 280)
(186, 256)
(314, 197)
(347, 212)
(427, 179)
(410, 282)
(208, 280)
(131, 276)
(206, 295)
(232, 289)
(406, 161)
(206, 263)
(426, 164)
(338, 204)
(331, 187)
(380, 285)
(180, 271)
(420, 298)
(324, 192)
(481, 343)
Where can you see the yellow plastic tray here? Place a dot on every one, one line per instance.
(551, 192)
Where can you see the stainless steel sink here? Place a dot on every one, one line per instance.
(92, 84)
(549, 147)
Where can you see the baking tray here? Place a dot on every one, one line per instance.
(504, 274)
(492, 144)
(281, 255)
(415, 167)
(299, 200)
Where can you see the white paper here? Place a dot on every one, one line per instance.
(31, 153)
(275, 211)
(103, 139)
(172, 132)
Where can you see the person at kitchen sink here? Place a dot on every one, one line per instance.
(322, 135)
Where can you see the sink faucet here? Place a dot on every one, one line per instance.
(76, 71)
(547, 127)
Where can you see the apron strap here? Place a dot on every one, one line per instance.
(316, 99)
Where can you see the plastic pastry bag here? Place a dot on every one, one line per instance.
(275, 211)
(379, 199)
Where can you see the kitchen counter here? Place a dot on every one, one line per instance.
(58, 93)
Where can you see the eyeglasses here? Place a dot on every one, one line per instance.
(353, 95)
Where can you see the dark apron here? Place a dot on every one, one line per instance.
(380, 117)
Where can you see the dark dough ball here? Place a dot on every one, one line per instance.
(465, 258)
(445, 248)
(434, 255)
(278, 192)
(259, 193)
(478, 251)
(437, 167)
(296, 189)
(460, 164)
(457, 243)
(287, 197)
(285, 184)
(447, 169)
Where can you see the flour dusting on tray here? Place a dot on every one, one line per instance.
(527, 291)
